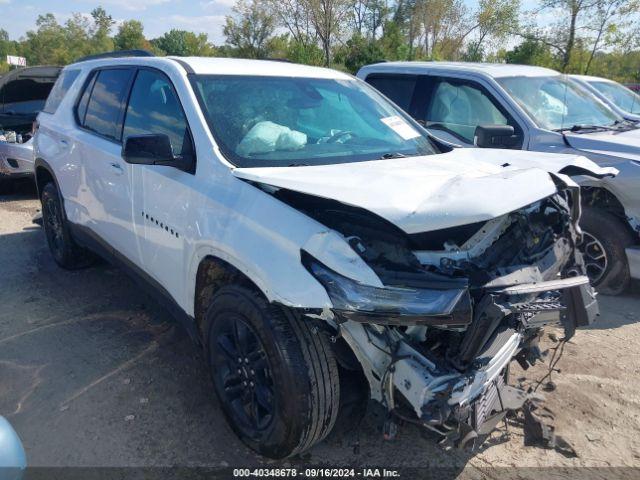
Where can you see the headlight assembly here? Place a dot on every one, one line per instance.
(391, 305)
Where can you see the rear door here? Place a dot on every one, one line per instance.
(107, 183)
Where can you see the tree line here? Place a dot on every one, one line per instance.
(596, 37)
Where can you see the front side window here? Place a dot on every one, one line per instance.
(398, 88)
(459, 108)
(283, 121)
(619, 95)
(59, 90)
(105, 105)
(556, 103)
(154, 107)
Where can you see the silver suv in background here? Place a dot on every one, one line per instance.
(23, 94)
(619, 98)
(533, 108)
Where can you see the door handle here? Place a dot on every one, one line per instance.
(64, 143)
(117, 168)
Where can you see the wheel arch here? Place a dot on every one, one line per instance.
(44, 174)
(602, 198)
(212, 273)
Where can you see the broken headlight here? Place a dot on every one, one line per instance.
(391, 305)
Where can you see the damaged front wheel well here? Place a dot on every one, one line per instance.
(214, 273)
(603, 199)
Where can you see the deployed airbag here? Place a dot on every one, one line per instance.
(265, 137)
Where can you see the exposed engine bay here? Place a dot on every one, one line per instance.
(458, 305)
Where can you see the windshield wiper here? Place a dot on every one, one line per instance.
(625, 125)
(389, 155)
(582, 128)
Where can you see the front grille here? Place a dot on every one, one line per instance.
(488, 402)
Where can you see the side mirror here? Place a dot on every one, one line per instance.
(495, 136)
(154, 149)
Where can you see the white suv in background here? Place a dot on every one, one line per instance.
(316, 242)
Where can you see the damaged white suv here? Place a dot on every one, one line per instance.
(321, 247)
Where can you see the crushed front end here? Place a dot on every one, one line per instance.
(456, 307)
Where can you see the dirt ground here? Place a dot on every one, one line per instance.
(93, 373)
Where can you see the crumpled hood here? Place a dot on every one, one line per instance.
(432, 192)
(615, 144)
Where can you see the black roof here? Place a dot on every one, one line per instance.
(117, 54)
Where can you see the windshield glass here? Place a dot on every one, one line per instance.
(556, 103)
(261, 121)
(619, 95)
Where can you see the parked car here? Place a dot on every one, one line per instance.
(537, 109)
(13, 460)
(314, 240)
(23, 93)
(624, 101)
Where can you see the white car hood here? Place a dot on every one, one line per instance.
(615, 144)
(420, 194)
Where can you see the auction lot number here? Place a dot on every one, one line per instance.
(316, 472)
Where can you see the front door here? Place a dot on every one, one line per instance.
(162, 194)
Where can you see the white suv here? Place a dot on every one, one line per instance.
(314, 240)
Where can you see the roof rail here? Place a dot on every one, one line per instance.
(117, 54)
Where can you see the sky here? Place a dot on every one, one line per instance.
(157, 16)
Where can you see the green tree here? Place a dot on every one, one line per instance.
(250, 28)
(530, 52)
(184, 43)
(46, 44)
(357, 52)
(495, 20)
(130, 36)
(100, 31)
(392, 42)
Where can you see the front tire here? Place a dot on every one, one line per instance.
(603, 248)
(65, 251)
(273, 372)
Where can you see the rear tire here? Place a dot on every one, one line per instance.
(275, 374)
(603, 247)
(65, 251)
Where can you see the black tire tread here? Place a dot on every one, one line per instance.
(325, 385)
(73, 256)
(615, 238)
(306, 351)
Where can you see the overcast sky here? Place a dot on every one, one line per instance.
(158, 16)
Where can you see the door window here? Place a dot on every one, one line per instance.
(459, 108)
(154, 108)
(104, 110)
(398, 88)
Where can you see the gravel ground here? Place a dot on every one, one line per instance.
(93, 373)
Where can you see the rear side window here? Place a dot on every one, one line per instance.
(60, 89)
(105, 105)
(398, 88)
